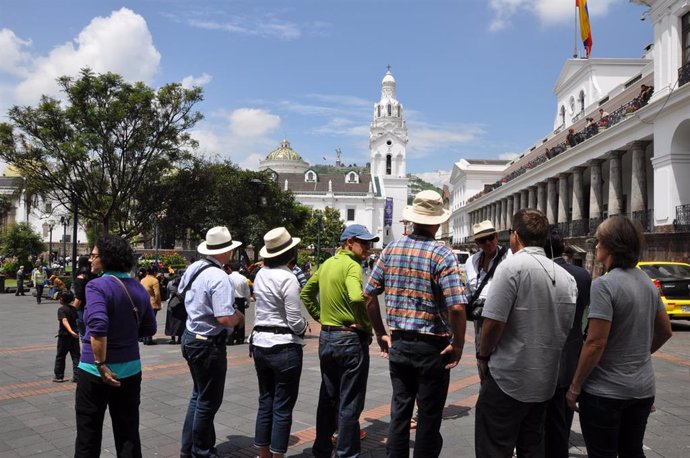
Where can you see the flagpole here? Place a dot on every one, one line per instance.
(575, 34)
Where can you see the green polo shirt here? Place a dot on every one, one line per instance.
(338, 282)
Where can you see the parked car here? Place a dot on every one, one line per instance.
(673, 281)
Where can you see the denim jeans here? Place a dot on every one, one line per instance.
(502, 423)
(614, 427)
(417, 373)
(344, 360)
(92, 398)
(278, 369)
(207, 361)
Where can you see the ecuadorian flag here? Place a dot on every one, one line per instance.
(585, 31)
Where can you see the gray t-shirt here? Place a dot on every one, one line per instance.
(627, 299)
(535, 298)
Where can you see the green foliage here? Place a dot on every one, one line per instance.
(22, 242)
(9, 267)
(173, 259)
(110, 142)
(5, 206)
(332, 227)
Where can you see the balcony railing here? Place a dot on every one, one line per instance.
(579, 228)
(682, 221)
(594, 224)
(564, 229)
(684, 74)
(645, 218)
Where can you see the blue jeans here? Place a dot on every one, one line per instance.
(207, 361)
(344, 358)
(417, 373)
(614, 427)
(278, 369)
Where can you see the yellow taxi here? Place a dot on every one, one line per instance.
(673, 281)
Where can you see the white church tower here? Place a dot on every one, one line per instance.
(387, 147)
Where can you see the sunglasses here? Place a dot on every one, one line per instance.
(483, 240)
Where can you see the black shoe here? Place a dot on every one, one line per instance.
(74, 379)
(171, 342)
(58, 379)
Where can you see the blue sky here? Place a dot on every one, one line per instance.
(476, 77)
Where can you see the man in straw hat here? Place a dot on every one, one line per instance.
(343, 342)
(426, 316)
(209, 303)
(479, 271)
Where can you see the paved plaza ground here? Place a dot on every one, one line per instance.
(37, 416)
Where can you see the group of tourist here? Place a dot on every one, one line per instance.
(536, 360)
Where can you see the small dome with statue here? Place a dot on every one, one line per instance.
(284, 159)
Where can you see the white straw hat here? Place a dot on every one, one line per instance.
(218, 240)
(276, 242)
(427, 208)
(483, 228)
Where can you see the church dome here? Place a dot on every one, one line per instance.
(284, 153)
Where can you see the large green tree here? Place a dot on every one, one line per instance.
(21, 241)
(105, 147)
(328, 234)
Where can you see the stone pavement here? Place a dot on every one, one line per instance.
(37, 416)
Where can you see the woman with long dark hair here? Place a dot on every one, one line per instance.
(118, 313)
(614, 380)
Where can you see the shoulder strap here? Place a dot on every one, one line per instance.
(499, 257)
(135, 309)
(196, 274)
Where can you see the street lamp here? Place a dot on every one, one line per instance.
(319, 228)
(64, 220)
(51, 224)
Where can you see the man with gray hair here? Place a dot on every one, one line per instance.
(527, 317)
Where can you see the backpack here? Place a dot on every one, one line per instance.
(176, 302)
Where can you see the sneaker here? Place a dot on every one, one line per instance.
(58, 379)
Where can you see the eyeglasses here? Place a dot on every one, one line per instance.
(94, 256)
(483, 240)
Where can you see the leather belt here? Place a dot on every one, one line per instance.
(418, 336)
(328, 328)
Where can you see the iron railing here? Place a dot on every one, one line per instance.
(579, 228)
(645, 218)
(594, 224)
(564, 229)
(684, 74)
(682, 221)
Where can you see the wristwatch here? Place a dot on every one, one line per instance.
(99, 363)
(483, 358)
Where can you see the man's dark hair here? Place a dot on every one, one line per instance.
(66, 297)
(532, 226)
(623, 239)
(554, 245)
(152, 269)
(282, 259)
(234, 265)
(83, 265)
(115, 253)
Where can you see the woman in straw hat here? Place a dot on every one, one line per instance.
(276, 342)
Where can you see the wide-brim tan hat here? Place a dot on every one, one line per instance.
(483, 229)
(276, 242)
(427, 208)
(218, 241)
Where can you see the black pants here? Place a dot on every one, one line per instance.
(238, 334)
(417, 373)
(503, 423)
(614, 427)
(559, 419)
(92, 398)
(20, 288)
(39, 293)
(66, 344)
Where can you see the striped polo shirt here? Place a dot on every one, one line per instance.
(421, 279)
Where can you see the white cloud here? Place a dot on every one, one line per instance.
(548, 12)
(438, 177)
(426, 139)
(252, 122)
(190, 81)
(264, 26)
(120, 43)
(251, 162)
(13, 58)
(508, 156)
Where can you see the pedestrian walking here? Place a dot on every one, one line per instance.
(109, 375)
(20, 282)
(614, 381)
(426, 317)
(276, 342)
(209, 303)
(527, 317)
(343, 343)
(152, 286)
(39, 279)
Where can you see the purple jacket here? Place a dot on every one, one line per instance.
(104, 295)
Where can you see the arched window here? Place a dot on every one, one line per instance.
(562, 114)
(581, 98)
(389, 164)
(310, 177)
(398, 111)
(378, 109)
(389, 109)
